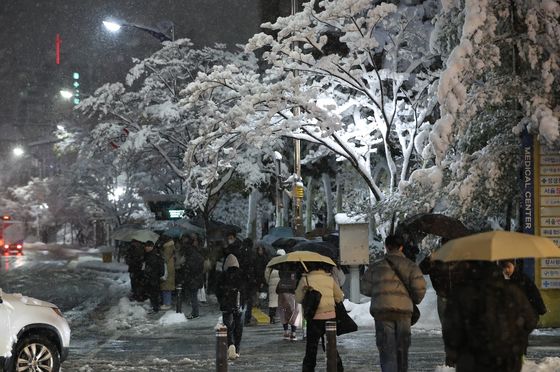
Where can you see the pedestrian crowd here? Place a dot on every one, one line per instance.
(487, 309)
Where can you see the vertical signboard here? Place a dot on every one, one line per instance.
(528, 194)
(547, 223)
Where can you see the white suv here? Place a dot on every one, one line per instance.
(34, 336)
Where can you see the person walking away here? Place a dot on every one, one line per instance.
(272, 277)
(152, 272)
(525, 283)
(229, 292)
(287, 302)
(392, 302)
(193, 278)
(487, 322)
(134, 258)
(320, 279)
(261, 260)
(247, 267)
(168, 284)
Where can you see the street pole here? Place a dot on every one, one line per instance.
(297, 188)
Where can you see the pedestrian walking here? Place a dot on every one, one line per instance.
(153, 270)
(260, 262)
(229, 292)
(167, 285)
(319, 278)
(288, 310)
(525, 283)
(193, 274)
(134, 258)
(392, 301)
(272, 277)
(247, 266)
(487, 322)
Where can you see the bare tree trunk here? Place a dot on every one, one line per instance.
(338, 193)
(309, 204)
(254, 198)
(329, 200)
(286, 201)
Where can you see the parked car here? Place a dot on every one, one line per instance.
(35, 336)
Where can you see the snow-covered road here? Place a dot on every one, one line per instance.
(109, 333)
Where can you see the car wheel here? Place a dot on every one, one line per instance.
(36, 354)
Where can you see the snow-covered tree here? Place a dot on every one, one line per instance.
(365, 84)
(500, 77)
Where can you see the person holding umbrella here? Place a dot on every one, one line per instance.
(522, 280)
(320, 279)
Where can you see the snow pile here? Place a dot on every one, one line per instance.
(171, 317)
(359, 313)
(126, 315)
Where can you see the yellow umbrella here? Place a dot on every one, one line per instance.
(495, 246)
(300, 256)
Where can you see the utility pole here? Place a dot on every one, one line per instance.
(297, 184)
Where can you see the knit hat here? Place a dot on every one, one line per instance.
(280, 252)
(231, 261)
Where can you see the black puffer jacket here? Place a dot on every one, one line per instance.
(487, 322)
(530, 290)
(390, 299)
(193, 269)
(230, 287)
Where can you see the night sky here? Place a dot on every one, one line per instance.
(30, 79)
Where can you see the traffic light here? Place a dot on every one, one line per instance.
(76, 85)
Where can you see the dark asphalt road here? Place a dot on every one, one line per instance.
(88, 298)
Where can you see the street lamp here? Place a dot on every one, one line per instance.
(18, 151)
(115, 26)
(66, 94)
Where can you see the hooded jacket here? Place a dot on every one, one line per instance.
(229, 290)
(390, 298)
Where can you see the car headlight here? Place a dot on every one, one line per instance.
(57, 311)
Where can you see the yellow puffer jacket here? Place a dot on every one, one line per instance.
(324, 283)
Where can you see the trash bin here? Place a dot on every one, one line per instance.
(107, 256)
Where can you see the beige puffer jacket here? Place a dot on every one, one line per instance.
(168, 254)
(390, 299)
(324, 283)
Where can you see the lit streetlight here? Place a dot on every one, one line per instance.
(66, 94)
(115, 26)
(18, 151)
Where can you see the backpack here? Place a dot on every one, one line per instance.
(288, 282)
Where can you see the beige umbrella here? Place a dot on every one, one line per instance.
(144, 236)
(300, 256)
(495, 246)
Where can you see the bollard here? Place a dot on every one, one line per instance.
(221, 349)
(179, 299)
(330, 328)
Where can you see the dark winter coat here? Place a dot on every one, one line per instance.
(134, 257)
(531, 291)
(261, 260)
(443, 275)
(288, 282)
(229, 289)
(390, 299)
(193, 269)
(487, 322)
(153, 268)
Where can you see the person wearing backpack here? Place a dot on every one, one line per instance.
(288, 310)
(487, 322)
(320, 279)
(153, 270)
(229, 293)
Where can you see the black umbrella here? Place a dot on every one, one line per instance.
(323, 248)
